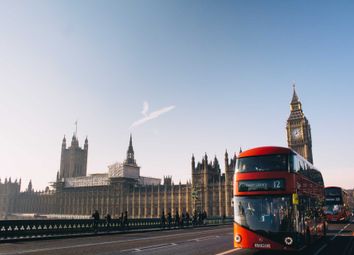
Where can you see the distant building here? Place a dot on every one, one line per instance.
(73, 161)
(299, 130)
(351, 198)
(122, 189)
(8, 193)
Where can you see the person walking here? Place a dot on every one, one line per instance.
(108, 221)
(126, 223)
(96, 218)
(187, 219)
(176, 218)
(163, 219)
(169, 219)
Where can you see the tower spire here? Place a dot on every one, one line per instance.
(76, 128)
(295, 104)
(130, 152)
(131, 141)
(295, 98)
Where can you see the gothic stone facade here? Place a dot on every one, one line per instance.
(123, 189)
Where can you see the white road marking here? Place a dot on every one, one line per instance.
(320, 249)
(205, 238)
(334, 237)
(229, 251)
(162, 245)
(98, 243)
(153, 247)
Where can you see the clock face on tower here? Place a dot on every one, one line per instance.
(296, 134)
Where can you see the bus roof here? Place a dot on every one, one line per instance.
(265, 150)
(333, 187)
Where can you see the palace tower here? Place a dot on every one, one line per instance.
(299, 130)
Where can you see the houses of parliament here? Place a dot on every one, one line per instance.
(122, 188)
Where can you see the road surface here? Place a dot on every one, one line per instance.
(207, 240)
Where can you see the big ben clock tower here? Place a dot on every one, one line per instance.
(299, 130)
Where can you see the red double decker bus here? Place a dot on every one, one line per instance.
(278, 200)
(336, 208)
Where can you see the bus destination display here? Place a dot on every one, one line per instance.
(261, 185)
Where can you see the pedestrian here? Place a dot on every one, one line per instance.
(96, 218)
(121, 220)
(126, 223)
(187, 219)
(108, 221)
(200, 218)
(204, 217)
(195, 217)
(182, 219)
(163, 219)
(169, 219)
(176, 218)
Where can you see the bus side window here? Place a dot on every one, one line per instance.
(302, 167)
(295, 164)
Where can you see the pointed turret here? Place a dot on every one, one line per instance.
(295, 102)
(226, 158)
(30, 187)
(193, 162)
(86, 144)
(74, 141)
(130, 152)
(63, 144)
(216, 162)
(295, 98)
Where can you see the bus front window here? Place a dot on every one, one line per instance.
(263, 214)
(332, 209)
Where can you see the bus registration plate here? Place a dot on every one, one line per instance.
(262, 245)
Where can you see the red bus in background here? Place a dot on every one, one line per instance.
(278, 200)
(336, 204)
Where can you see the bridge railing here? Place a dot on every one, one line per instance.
(27, 229)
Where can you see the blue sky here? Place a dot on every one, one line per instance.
(227, 67)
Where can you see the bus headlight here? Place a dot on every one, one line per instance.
(238, 238)
(288, 240)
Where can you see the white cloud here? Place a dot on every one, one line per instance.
(152, 115)
(145, 108)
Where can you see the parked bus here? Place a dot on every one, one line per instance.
(336, 208)
(278, 200)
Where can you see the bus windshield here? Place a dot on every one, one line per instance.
(332, 209)
(278, 162)
(264, 213)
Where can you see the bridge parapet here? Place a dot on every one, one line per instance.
(11, 230)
